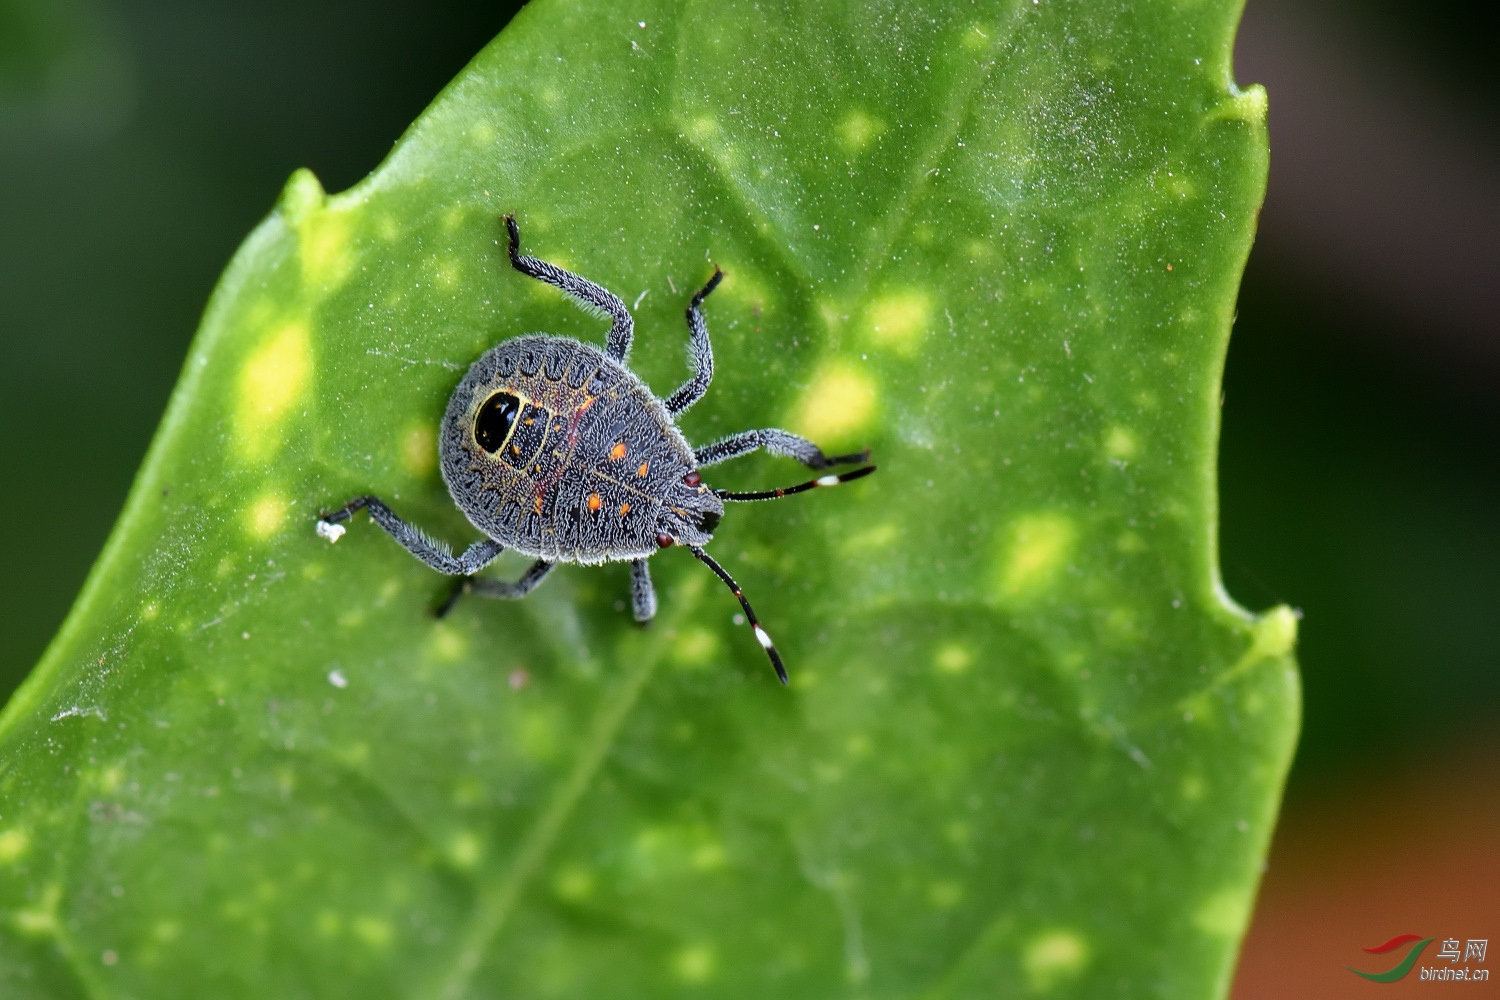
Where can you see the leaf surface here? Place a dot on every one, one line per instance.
(1029, 746)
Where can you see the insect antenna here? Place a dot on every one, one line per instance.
(811, 484)
(760, 633)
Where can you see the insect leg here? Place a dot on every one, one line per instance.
(503, 589)
(593, 298)
(642, 594)
(777, 442)
(699, 351)
(787, 491)
(760, 633)
(413, 539)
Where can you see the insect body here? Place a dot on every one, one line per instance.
(555, 449)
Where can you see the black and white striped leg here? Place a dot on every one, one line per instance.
(777, 442)
(594, 299)
(416, 541)
(700, 352)
(811, 484)
(642, 594)
(760, 634)
(502, 589)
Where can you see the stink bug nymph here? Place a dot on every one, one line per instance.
(555, 449)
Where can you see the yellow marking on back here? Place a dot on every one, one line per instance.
(618, 451)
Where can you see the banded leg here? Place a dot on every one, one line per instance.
(642, 594)
(593, 298)
(502, 589)
(761, 636)
(700, 352)
(416, 541)
(786, 491)
(777, 442)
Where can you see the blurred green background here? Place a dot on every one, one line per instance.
(140, 142)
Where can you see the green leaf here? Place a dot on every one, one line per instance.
(1030, 745)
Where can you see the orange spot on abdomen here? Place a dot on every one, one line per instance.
(594, 501)
(618, 451)
(642, 470)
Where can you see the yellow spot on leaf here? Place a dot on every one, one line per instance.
(419, 451)
(953, 658)
(694, 964)
(271, 382)
(839, 403)
(481, 134)
(858, 130)
(708, 857)
(1052, 958)
(266, 515)
(1038, 545)
(13, 843)
(573, 883)
(898, 320)
(42, 918)
(1120, 443)
(324, 249)
(704, 129)
(1223, 914)
(446, 645)
(945, 894)
(695, 647)
(877, 537)
(374, 932)
(465, 849)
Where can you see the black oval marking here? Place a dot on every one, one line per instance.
(495, 419)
